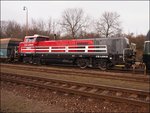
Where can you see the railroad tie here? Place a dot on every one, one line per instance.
(64, 85)
(133, 96)
(54, 92)
(105, 92)
(66, 94)
(118, 94)
(93, 90)
(147, 98)
(56, 84)
(73, 87)
(12, 76)
(46, 83)
(82, 88)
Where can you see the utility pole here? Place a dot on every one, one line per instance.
(25, 8)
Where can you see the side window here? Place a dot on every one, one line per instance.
(41, 39)
(3, 52)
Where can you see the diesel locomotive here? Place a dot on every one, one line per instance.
(103, 53)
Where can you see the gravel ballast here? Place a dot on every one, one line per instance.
(20, 98)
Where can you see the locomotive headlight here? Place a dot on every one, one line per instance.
(110, 57)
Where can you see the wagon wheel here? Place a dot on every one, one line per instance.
(102, 65)
(82, 63)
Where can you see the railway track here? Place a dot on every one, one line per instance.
(78, 72)
(116, 94)
(114, 70)
(70, 66)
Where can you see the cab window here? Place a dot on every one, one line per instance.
(147, 47)
(30, 39)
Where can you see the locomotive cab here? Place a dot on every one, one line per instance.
(146, 54)
(32, 41)
(147, 47)
(28, 46)
(35, 38)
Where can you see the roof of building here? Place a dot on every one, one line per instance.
(6, 40)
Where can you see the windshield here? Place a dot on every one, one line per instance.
(147, 47)
(31, 39)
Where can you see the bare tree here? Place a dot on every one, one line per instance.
(52, 26)
(37, 27)
(3, 26)
(73, 20)
(39, 24)
(109, 24)
(49, 26)
(13, 29)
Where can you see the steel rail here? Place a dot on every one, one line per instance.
(87, 74)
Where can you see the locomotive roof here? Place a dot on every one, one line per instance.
(106, 38)
(36, 36)
(97, 38)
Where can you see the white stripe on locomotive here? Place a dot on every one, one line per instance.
(67, 49)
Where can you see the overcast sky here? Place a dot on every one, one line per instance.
(134, 15)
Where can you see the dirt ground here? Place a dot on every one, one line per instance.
(10, 102)
(20, 98)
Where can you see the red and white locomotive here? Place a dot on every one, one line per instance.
(97, 52)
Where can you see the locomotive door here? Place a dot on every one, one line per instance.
(116, 50)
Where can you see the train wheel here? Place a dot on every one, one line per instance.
(27, 60)
(102, 65)
(82, 63)
(24, 60)
(37, 61)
